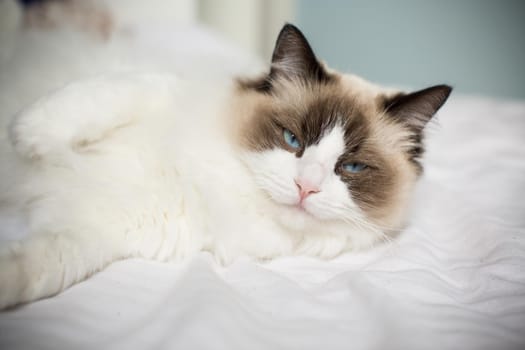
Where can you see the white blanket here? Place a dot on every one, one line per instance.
(454, 279)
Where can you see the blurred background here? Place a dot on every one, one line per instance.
(478, 46)
(475, 45)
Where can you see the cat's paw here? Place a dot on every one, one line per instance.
(84, 113)
(57, 124)
(12, 280)
(25, 275)
(33, 134)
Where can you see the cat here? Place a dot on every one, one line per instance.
(301, 160)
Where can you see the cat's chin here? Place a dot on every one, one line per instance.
(297, 218)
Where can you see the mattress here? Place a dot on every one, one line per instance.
(453, 279)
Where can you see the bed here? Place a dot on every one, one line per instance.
(454, 279)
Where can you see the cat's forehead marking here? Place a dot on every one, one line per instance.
(329, 110)
(330, 146)
(310, 112)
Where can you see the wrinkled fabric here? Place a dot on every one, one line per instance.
(453, 279)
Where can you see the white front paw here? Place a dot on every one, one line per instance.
(86, 112)
(33, 133)
(11, 285)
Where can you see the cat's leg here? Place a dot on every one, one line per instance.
(71, 239)
(44, 265)
(86, 112)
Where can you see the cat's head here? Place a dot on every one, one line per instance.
(332, 151)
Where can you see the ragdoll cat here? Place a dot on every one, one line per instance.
(302, 160)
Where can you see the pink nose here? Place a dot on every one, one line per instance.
(306, 188)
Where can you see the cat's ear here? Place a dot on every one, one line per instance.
(293, 59)
(416, 109)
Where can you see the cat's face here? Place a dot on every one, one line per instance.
(330, 148)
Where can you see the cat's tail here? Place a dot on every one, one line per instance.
(46, 264)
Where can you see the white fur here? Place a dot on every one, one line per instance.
(132, 165)
(140, 165)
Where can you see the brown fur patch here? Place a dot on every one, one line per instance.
(413, 111)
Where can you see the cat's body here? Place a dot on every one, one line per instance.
(300, 161)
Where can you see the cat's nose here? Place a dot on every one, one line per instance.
(306, 188)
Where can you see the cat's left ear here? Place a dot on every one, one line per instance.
(416, 109)
(293, 59)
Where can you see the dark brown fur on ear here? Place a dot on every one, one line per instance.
(415, 110)
(292, 58)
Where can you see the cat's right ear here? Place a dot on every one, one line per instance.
(293, 59)
(417, 108)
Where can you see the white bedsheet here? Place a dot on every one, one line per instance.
(454, 279)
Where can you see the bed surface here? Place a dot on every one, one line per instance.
(454, 279)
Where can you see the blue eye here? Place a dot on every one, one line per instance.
(291, 139)
(354, 167)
